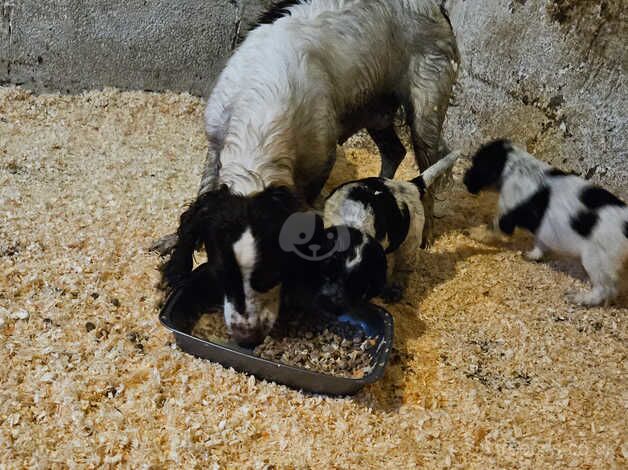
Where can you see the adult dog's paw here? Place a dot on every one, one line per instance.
(164, 245)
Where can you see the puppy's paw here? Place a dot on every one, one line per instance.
(535, 254)
(590, 298)
(392, 293)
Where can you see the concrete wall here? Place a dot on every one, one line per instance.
(549, 73)
(72, 45)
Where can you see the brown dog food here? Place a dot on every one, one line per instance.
(331, 347)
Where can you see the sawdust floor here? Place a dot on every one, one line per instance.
(491, 368)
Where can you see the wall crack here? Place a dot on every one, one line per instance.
(7, 20)
(238, 24)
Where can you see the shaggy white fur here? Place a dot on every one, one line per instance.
(277, 110)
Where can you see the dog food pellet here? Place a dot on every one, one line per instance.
(330, 347)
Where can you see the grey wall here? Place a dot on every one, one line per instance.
(549, 73)
(72, 45)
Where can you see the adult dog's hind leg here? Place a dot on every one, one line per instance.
(390, 148)
(431, 80)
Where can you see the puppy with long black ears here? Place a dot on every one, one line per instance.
(382, 221)
(566, 214)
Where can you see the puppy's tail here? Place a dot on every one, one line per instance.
(438, 172)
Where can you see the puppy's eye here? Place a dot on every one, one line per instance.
(302, 236)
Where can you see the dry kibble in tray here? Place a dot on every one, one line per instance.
(330, 347)
(211, 326)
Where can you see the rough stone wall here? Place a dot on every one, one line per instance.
(549, 74)
(72, 45)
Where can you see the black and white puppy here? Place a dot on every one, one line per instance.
(384, 220)
(567, 214)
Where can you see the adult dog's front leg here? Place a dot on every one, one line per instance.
(211, 169)
(164, 245)
(315, 186)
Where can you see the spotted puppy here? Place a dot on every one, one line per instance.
(381, 221)
(567, 214)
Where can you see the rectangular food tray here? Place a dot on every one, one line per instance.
(375, 321)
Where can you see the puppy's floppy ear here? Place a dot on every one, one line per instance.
(339, 238)
(194, 227)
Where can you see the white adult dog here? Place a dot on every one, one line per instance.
(566, 214)
(314, 73)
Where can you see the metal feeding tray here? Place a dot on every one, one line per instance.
(183, 307)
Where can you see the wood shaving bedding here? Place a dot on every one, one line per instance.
(491, 368)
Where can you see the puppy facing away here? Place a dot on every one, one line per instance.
(378, 223)
(566, 214)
